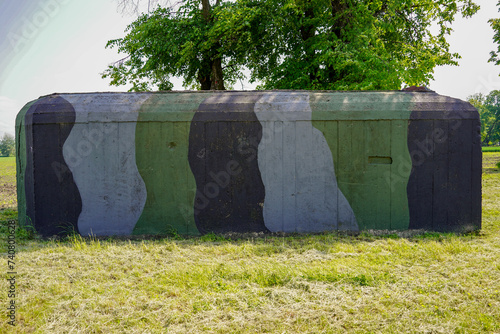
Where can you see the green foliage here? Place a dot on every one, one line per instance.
(495, 25)
(346, 45)
(292, 44)
(170, 43)
(489, 111)
(7, 145)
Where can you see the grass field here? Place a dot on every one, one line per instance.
(429, 283)
(8, 195)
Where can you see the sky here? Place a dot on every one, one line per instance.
(49, 46)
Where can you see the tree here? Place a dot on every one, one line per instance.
(296, 44)
(489, 112)
(351, 44)
(170, 42)
(7, 145)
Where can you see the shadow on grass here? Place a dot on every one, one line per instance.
(24, 234)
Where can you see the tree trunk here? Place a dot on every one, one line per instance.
(339, 24)
(217, 77)
(212, 62)
(307, 32)
(204, 75)
(205, 9)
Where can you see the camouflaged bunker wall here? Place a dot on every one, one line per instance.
(292, 161)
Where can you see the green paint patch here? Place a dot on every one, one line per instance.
(21, 160)
(162, 143)
(367, 135)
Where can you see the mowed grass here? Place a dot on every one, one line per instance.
(429, 283)
(8, 197)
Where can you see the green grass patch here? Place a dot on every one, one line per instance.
(325, 283)
(8, 194)
(491, 148)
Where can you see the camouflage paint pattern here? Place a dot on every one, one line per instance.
(100, 152)
(53, 201)
(292, 161)
(224, 137)
(299, 177)
(373, 164)
(162, 142)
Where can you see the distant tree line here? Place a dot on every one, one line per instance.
(489, 105)
(489, 112)
(7, 145)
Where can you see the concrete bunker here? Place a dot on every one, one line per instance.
(257, 161)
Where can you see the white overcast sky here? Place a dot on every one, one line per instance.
(49, 46)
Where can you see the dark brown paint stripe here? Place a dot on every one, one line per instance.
(442, 195)
(53, 202)
(223, 146)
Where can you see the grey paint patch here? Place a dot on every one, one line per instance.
(297, 169)
(100, 151)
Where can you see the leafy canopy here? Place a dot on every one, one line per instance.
(489, 112)
(495, 24)
(292, 44)
(348, 44)
(173, 42)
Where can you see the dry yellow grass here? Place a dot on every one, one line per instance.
(433, 283)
